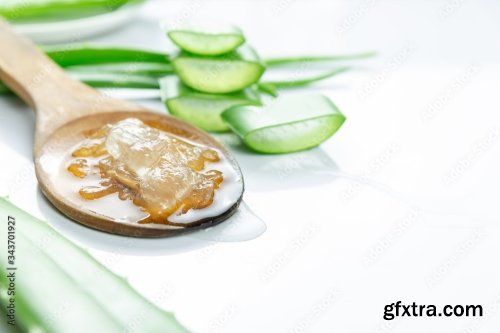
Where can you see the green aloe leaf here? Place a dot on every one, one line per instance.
(78, 54)
(108, 80)
(267, 88)
(115, 80)
(202, 109)
(271, 87)
(29, 10)
(302, 82)
(207, 39)
(221, 74)
(4, 89)
(150, 69)
(286, 124)
(300, 60)
(60, 288)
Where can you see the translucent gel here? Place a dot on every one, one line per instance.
(173, 180)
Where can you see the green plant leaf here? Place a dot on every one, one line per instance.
(107, 80)
(60, 288)
(150, 69)
(115, 80)
(81, 54)
(222, 74)
(285, 61)
(286, 124)
(202, 109)
(39, 10)
(272, 86)
(267, 88)
(207, 39)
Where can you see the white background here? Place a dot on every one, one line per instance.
(423, 120)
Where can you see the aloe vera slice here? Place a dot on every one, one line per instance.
(221, 74)
(201, 109)
(60, 288)
(287, 124)
(207, 39)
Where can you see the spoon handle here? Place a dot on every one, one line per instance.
(42, 84)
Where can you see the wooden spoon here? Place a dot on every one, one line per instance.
(65, 109)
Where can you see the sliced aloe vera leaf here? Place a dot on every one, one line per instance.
(201, 109)
(78, 54)
(221, 74)
(60, 288)
(207, 39)
(286, 124)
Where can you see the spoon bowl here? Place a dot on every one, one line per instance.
(66, 110)
(55, 182)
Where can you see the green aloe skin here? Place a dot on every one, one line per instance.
(227, 73)
(207, 39)
(83, 54)
(202, 109)
(39, 10)
(286, 124)
(60, 288)
(110, 67)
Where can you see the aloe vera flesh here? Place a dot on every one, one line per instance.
(60, 288)
(222, 74)
(286, 124)
(201, 109)
(207, 39)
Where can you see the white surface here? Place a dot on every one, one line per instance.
(423, 120)
(72, 31)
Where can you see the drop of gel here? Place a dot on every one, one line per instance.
(242, 226)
